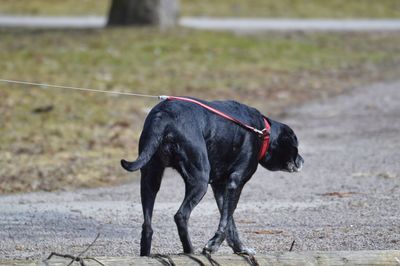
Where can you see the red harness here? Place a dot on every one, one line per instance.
(264, 134)
(265, 144)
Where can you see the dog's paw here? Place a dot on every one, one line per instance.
(214, 243)
(247, 251)
(210, 248)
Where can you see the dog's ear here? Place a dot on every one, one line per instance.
(287, 137)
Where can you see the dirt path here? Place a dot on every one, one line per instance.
(347, 197)
(261, 24)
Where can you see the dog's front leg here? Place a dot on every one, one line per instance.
(230, 200)
(232, 235)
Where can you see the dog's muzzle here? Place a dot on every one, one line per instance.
(296, 166)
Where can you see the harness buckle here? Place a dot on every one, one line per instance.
(163, 97)
(262, 133)
(265, 132)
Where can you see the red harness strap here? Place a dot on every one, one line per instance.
(264, 134)
(265, 144)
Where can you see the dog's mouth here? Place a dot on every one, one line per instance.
(295, 166)
(291, 168)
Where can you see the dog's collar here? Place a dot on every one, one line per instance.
(265, 139)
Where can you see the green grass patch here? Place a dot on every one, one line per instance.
(55, 7)
(232, 8)
(78, 142)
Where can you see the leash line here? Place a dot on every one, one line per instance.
(264, 133)
(77, 88)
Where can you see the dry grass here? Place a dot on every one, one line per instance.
(79, 141)
(232, 8)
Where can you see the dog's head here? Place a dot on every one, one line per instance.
(282, 154)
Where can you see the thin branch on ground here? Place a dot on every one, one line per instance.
(77, 258)
(292, 245)
(207, 254)
(250, 259)
(86, 249)
(193, 258)
(165, 260)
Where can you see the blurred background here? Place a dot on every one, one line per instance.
(52, 139)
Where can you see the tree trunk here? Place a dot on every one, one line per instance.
(143, 12)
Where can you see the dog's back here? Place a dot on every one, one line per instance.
(174, 123)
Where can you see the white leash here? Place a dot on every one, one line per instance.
(79, 89)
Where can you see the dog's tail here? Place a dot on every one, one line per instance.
(148, 144)
(133, 166)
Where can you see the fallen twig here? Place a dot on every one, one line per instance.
(207, 254)
(292, 245)
(338, 194)
(77, 258)
(163, 259)
(86, 249)
(251, 260)
(193, 258)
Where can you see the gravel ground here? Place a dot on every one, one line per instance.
(346, 198)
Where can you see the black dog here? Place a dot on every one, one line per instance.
(206, 148)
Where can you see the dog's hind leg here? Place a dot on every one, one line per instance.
(195, 173)
(151, 176)
(232, 235)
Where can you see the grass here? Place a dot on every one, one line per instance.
(79, 140)
(235, 8)
(55, 7)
